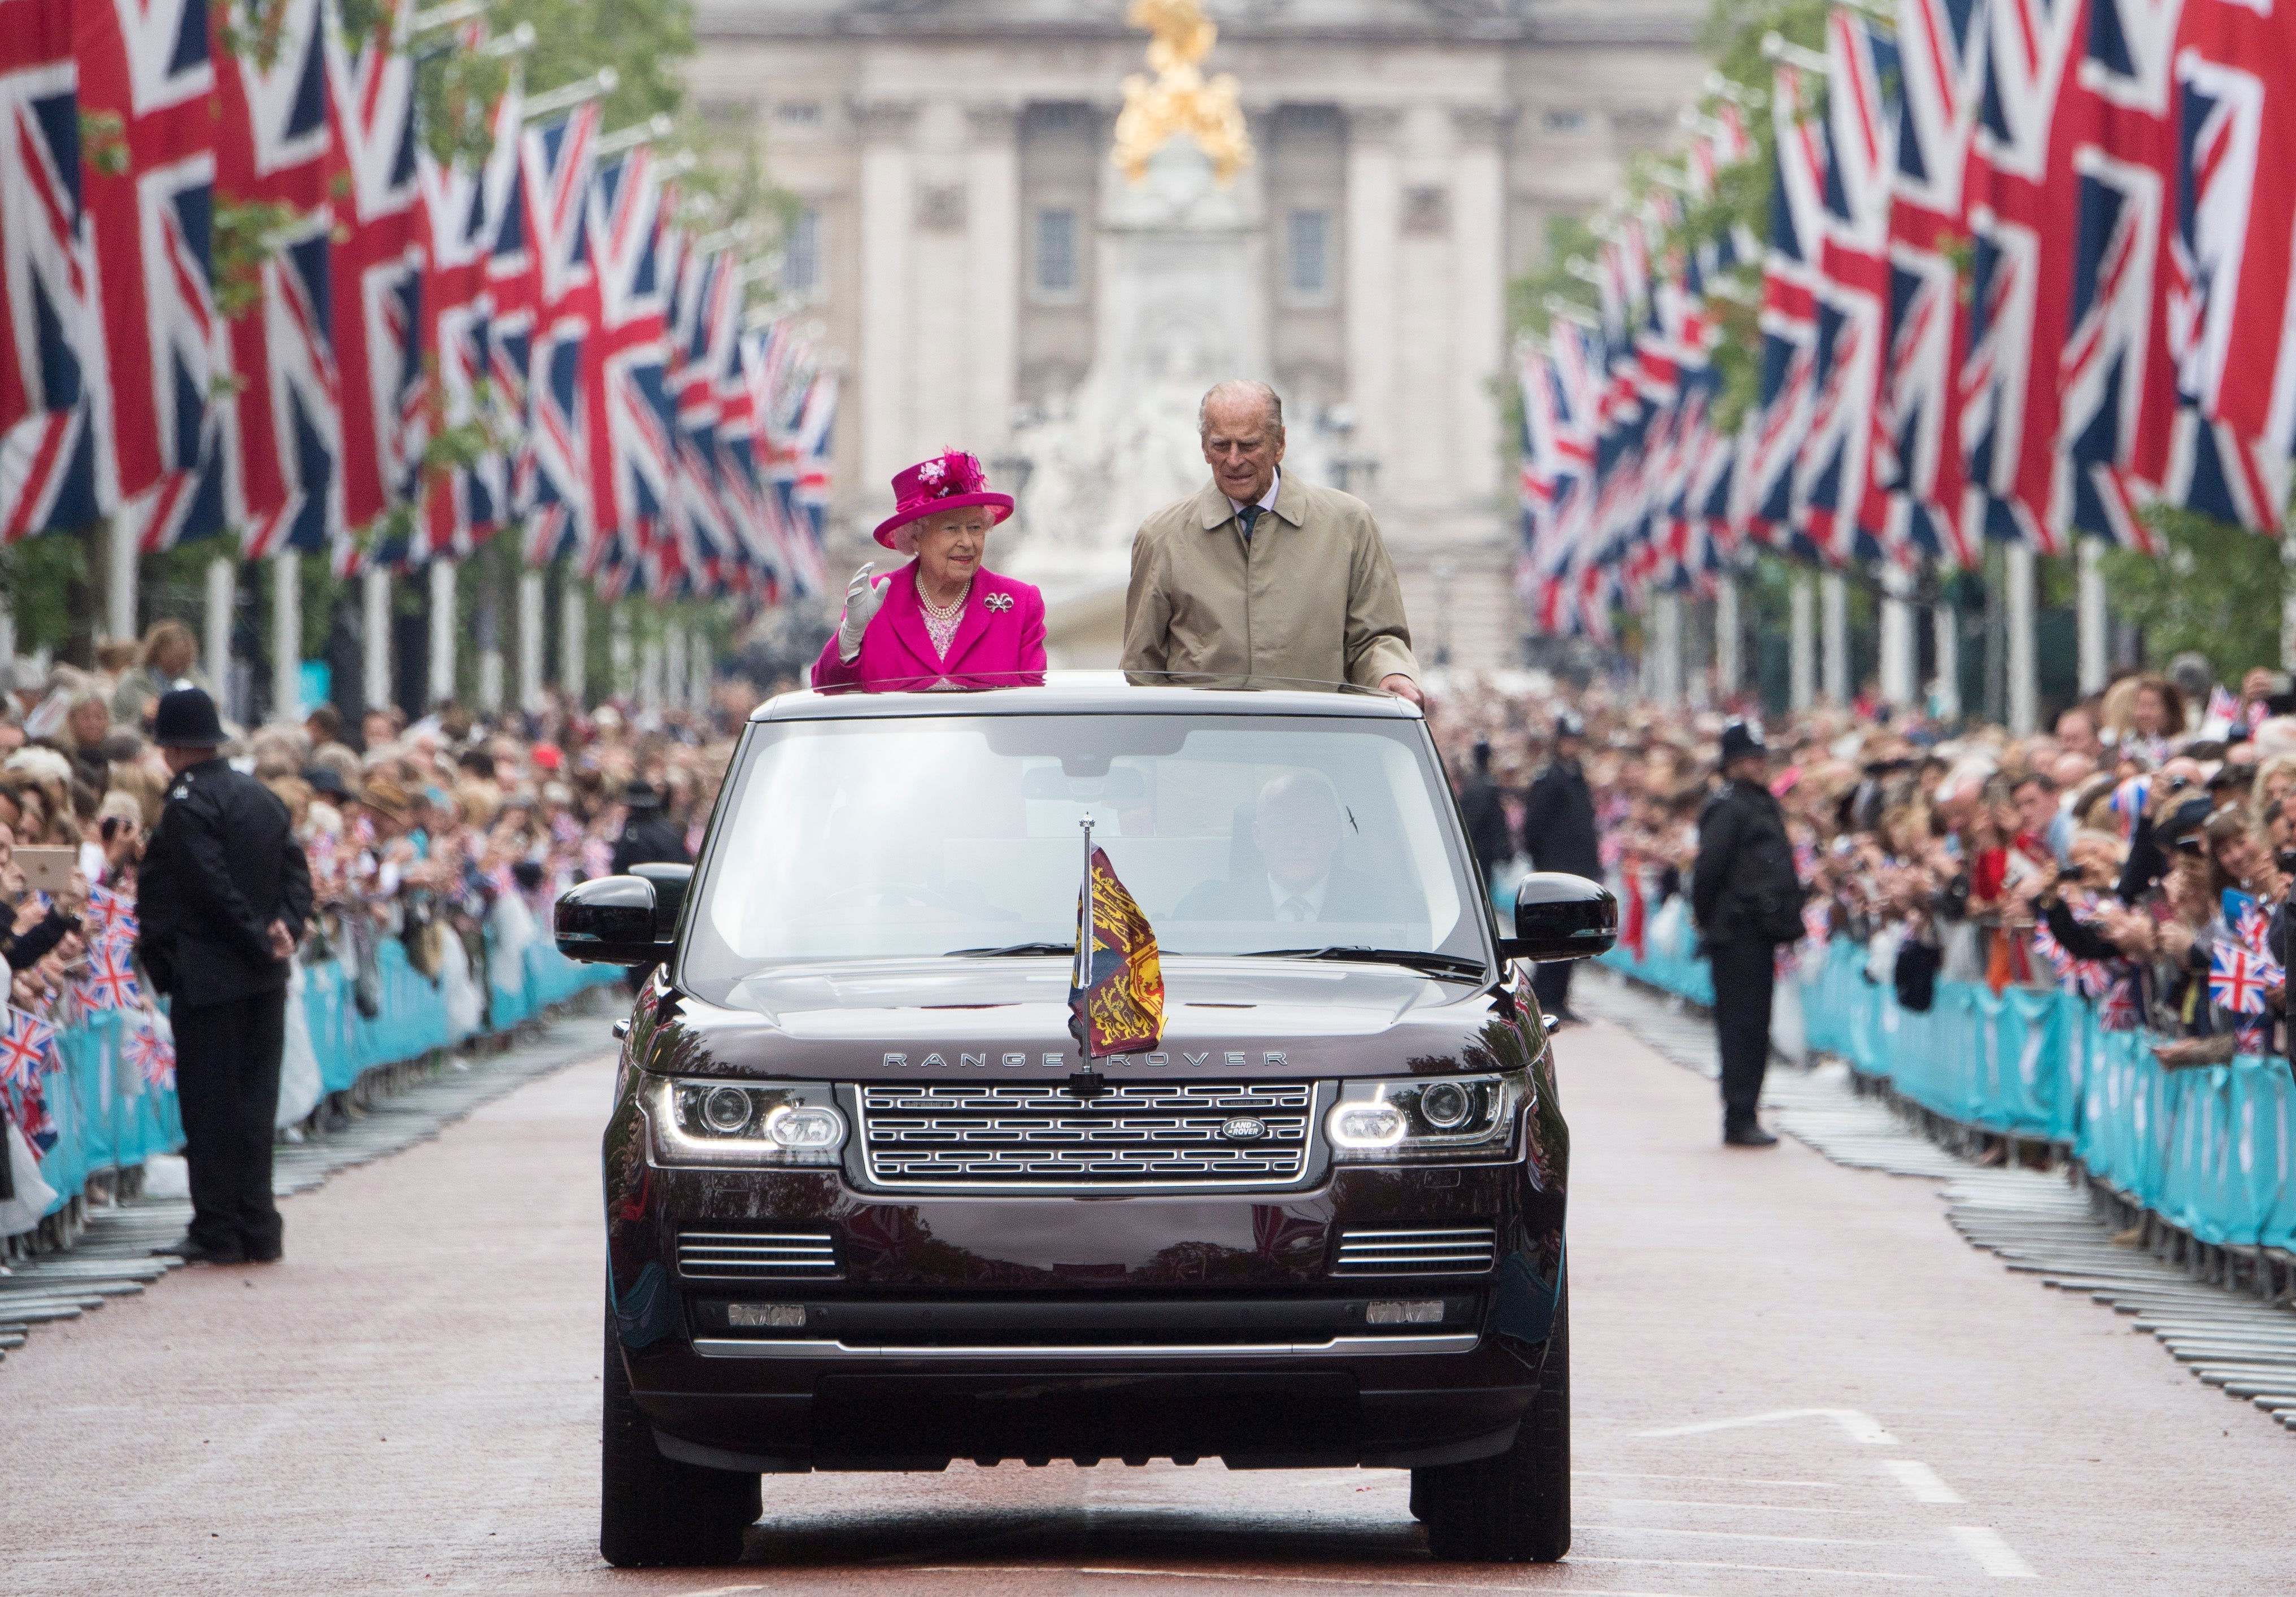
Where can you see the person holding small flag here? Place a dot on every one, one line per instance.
(224, 896)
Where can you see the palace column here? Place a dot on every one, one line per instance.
(992, 250)
(887, 210)
(1477, 205)
(1373, 221)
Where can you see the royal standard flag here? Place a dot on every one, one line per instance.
(1116, 989)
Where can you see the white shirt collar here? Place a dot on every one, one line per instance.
(1313, 893)
(1266, 500)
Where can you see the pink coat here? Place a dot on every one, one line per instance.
(999, 641)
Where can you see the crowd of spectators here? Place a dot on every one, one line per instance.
(428, 832)
(2141, 851)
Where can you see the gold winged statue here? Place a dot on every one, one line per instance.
(1180, 101)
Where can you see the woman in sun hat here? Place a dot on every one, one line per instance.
(943, 621)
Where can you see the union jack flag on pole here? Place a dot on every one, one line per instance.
(146, 83)
(555, 163)
(47, 440)
(282, 425)
(376, 274)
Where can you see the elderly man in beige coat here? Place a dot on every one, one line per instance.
(1260, 575)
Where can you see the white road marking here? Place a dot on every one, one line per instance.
(1691, 1563)
(1280, 1580)
(1739, 1480)
(1921, 1480)
(1994, 1556)
(1732, 1535)
(1861, 1427)
(1765, 1507)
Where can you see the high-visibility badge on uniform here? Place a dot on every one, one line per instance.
(1116, 989)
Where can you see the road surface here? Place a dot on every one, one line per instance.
(1791, 1377)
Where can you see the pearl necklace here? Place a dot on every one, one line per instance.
(941, 620)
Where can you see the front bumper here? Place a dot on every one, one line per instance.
(1036, 1327)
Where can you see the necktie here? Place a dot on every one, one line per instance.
(1248, 515)
(1296, 908)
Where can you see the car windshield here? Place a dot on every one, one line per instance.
(1236, 834)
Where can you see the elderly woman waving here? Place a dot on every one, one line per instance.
(943, 621)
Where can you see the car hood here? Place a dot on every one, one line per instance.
(1008, 1018)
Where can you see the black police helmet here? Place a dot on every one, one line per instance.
(187, 720)
(1739, 739)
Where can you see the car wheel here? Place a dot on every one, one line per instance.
(1514, 1509)
(653, 1511)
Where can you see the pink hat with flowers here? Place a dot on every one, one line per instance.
(949, 482)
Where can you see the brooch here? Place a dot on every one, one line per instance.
(999, 602)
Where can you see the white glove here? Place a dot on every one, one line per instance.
(865, 596)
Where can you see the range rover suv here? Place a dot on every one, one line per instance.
(869, 1208)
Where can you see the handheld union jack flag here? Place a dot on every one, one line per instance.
(110, 915)
(152, 1055)
(47, 442)
(2124, 1006)
(2238, 978)
(110, 980)
(28, 1049)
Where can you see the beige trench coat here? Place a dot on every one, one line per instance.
(1311, 597)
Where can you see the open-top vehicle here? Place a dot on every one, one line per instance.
(869, 1206)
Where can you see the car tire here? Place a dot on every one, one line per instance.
(653, 1512)
(1514, 1509)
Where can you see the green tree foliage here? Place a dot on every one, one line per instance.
(2215, 588)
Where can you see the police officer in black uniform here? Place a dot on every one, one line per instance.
(1559, 834)
(1748, 900)
(222, 898)
(648, 838)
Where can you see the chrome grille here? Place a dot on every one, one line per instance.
(756, 1255)
(1028, 1136)
(1437, 1250)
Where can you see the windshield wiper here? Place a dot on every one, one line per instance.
(1016, 950)
(1415, 959)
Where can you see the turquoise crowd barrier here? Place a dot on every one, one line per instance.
(2211, 1150)
(106, 1117)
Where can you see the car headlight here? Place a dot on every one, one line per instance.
(737, 1123)
(1424, 1118)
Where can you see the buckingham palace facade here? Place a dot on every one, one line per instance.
(950, 162)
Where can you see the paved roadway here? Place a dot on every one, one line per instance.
(1791, 1377)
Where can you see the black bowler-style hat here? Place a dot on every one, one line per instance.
(1739, 739)
(187, 720)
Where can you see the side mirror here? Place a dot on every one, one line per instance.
(669, 885)
(1559, 916)
(612, 921)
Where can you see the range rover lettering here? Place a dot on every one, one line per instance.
(870, 1207)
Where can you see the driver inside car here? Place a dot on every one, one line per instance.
(1297, 829)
